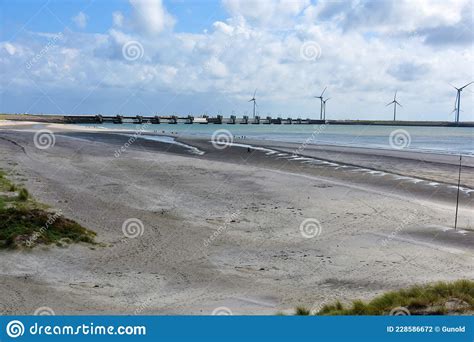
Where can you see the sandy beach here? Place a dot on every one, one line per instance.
(231, 226)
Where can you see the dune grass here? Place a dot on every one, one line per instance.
(25, 222)
(433, 299)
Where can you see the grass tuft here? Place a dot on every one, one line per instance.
(25, 223)
(27, 228)
(432, 299)
(302, 311)
(23, 195)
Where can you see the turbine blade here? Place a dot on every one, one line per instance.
(466, 85)
(395, 97)
(453, 86)
(388, 104)
(323, 91)
(255, 92)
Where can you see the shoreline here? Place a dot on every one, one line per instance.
(403, 153)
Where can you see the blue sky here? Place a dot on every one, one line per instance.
(174, 56)
(194, 16)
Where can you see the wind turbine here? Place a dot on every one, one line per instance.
(395, 103)
(324, 107)
(457, 102)
(254, 102)
(320, 97)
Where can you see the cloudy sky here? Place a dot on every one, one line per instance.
(175, 56)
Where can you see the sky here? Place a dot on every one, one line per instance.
(148, 57)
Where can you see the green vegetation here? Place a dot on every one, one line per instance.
(23, 195)
(301, 311)
(26, 223)
(434, 299)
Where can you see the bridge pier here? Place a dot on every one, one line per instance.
(118, 119)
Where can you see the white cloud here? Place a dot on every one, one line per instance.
(117, 19)
(275, 14)
(80, 20)
(150, 16)
(388, 16)
(10, 48)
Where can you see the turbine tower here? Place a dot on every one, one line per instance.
(324, 107)
(457, 102)
(395, 103)
(320, 97)
(254, 102)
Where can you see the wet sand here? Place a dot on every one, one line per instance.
(222, 229)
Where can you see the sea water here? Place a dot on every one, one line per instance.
(446, 140)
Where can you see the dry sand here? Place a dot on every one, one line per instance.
(223, 229)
